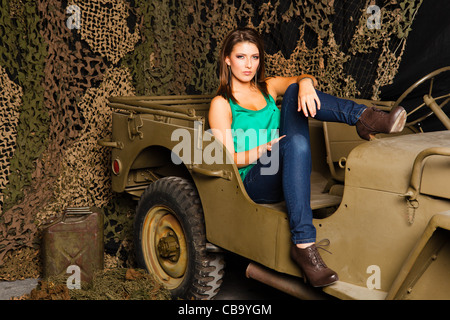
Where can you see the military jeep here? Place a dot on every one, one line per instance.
(382, 206)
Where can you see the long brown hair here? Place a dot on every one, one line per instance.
(237, 36)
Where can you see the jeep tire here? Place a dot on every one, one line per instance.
(170, 240)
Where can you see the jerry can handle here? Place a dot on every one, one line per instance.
(76, 211)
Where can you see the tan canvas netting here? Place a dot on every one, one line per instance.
(10, 100)
(55, 82)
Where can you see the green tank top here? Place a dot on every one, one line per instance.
(252, 128)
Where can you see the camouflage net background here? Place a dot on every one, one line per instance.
(61, 60)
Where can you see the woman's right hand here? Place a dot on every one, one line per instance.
(268, 145)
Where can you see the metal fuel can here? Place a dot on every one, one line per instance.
(75, 240)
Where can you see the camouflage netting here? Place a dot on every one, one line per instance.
(10, 100)
(61, 60)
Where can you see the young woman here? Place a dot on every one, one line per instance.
(245, 118)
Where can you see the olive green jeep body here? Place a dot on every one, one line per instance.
(383, 205)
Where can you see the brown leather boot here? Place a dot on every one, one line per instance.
(373, 121)
(312, 266)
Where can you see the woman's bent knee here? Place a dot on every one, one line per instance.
(297, 144)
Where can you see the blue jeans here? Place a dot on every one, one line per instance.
(291, 182)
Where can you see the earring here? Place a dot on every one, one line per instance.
(256, 78)
(229, 75)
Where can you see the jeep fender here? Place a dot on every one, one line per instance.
(416, 274)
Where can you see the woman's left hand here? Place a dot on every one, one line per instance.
(308, 101)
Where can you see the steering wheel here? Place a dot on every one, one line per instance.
(428, 100)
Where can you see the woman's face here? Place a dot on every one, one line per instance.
(244, 61)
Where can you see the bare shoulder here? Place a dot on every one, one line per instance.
(275, 86)
(219, 100)
(220, 113)
(219, 105)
